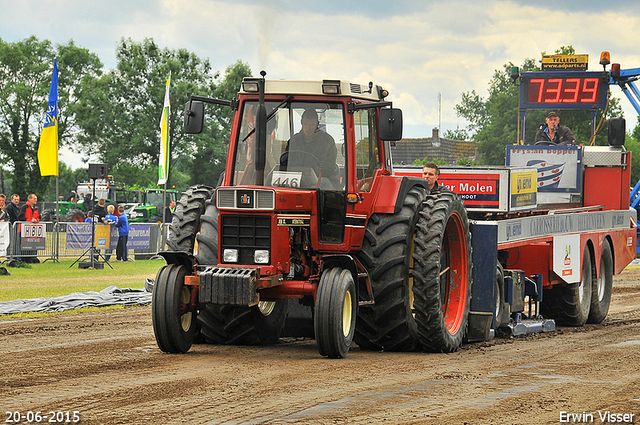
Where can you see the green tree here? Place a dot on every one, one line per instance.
(66, 183)
(120, 112)
(25, 78)
(210, 147)
(494, 121)
(457, 134)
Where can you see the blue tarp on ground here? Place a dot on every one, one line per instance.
(108, 296)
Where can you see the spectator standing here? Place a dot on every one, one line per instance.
(29, 213)
(100, 211)
(4, 216)
(112, 220)
(12, 209)
(123, 235)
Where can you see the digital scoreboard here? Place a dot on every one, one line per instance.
(563, 90)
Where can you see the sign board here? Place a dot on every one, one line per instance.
(565, 62)
(563, 90)
(486, 189)
(524, 188)
(103, 236)
(78, 236)
(4, 238)
(558, 167)
(139, 236)
(33, 236)
(566, 257)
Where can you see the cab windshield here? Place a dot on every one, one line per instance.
(305, 146)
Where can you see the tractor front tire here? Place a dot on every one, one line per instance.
(335, 312)
(174, 320)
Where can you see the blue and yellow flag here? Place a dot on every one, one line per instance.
(163, 169)
(48, 148)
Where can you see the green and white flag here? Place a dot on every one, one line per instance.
(163, 169)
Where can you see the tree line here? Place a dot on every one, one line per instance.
(112, 115)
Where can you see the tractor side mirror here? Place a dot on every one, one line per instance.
(617, 131)
(390, 124)
(193, 117)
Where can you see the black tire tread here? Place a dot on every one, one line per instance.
(430, 233)
(388, 325)
(562, 302)
(186, 218)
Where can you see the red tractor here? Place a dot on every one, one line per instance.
(309, 209)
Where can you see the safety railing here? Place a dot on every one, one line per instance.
(48, 241)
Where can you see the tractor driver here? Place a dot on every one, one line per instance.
(314, 148)
(553, 133)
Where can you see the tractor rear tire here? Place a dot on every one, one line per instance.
(186, 218)
(442, 273)
(74, 215)
(261, 324)
(569, 305)
(335, 312)
(208, 237)
(47, 215)
(174, 321)
(387, 256)
(602, 287)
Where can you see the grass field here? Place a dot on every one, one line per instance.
(52, 279)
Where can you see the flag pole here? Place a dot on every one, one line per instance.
(56, 248)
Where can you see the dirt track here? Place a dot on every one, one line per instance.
(107, 366)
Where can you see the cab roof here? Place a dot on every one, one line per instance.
(319, 88)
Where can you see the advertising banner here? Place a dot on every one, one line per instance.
(558, 166)
(78, 236)
(139, 236)
(33, 236)
(4, 238)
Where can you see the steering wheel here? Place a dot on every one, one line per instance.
(545, 142)
(284, 158)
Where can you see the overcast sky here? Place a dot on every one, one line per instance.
(415, 49)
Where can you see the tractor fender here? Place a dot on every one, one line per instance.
(178, 257)
(340, 260)
(407, 183)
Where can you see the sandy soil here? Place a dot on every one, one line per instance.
(107, 367)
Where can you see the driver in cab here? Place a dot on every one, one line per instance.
(553, 133)
(312, 147)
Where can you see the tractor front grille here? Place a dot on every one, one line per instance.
(246, 233)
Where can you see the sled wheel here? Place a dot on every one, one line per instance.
(569, 305)
(335, 313)
(499, 309)
(442, 275)
(173, 317)
(602, 287)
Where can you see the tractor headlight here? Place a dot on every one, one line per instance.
(261, 256)
(230, 255)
